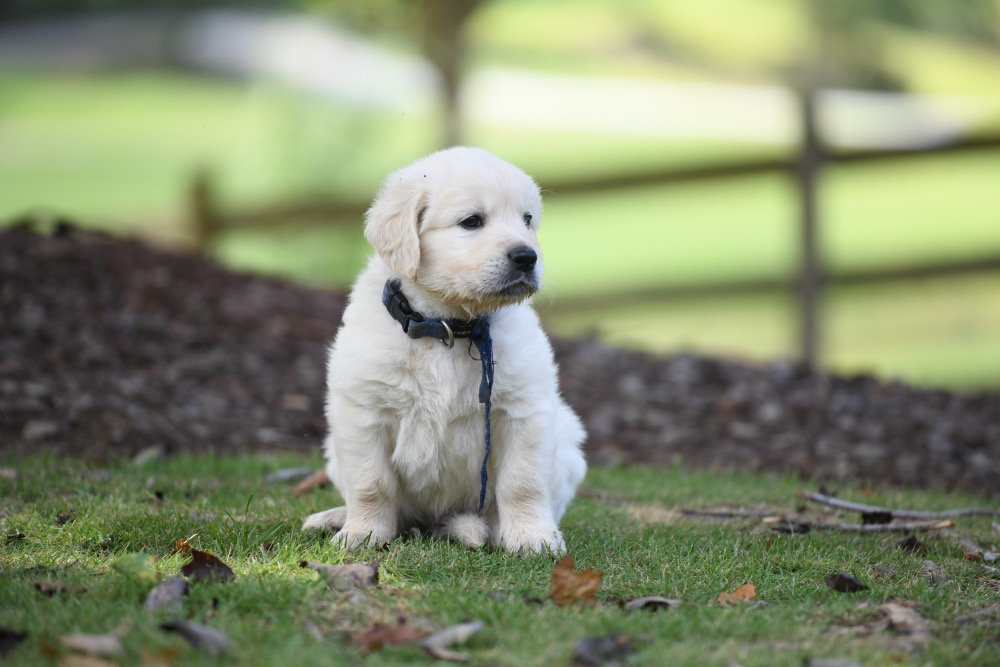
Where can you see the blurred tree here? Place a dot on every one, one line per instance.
(847, 46)
(436, 27)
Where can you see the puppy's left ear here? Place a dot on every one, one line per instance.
(392, 224)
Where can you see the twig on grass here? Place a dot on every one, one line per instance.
(896, 513)
(726, 513)
(883, 527)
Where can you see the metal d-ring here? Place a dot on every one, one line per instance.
(450, 343)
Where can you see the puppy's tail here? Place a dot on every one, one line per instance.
(469, 529)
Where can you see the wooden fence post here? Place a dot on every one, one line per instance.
(204, 217)
(810, 282)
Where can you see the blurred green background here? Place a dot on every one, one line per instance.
(109, 111)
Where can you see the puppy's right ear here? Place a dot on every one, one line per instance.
(392, 225)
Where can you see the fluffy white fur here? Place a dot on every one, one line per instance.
(407, 431)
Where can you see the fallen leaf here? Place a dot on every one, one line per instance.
(380, 635)
(9, 474)
(879, 571)
(653, 603)
(168, 594)
(164, 657)
(139, 566)
(601, 651)
(876, 517)
(313, 481)
(932, 572)
(346, 577)
(199, 636)
(10, 639)
(569, 586)
(78, 660)
(842, 582)
(50, 588)
(105, 646)
(744, 593)
(439, 644)
(909, 544)
(203, 565)
(64, 518)
(903, 619)
(14, 536)
(830, 662)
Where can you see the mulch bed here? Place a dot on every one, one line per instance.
(109, 346)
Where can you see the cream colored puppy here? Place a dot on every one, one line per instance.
(408, 390)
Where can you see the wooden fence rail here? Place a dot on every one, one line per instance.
(208, 219)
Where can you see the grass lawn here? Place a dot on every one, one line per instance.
(66, 523)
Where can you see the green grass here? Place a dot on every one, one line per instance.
(278, 613)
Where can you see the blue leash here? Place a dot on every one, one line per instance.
(481, 339)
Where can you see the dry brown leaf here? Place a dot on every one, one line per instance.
(842, 582)
(203, 565)
(50, 588)
(346, 577)
(107, 646)
(313, 481)
(439, 644)
(607, 650)
(10, 638)
(569, 586)
(199, 636)
(380, 635)
(652, 603)
(79, 660)
(164, 657)
(168, 594)
(744, 593)
(903, 620)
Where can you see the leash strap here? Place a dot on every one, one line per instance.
(477, 330)
(484, 343)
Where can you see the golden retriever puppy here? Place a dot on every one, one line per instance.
(443, 401)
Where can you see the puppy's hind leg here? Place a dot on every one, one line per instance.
(329, 521)
(469, 529)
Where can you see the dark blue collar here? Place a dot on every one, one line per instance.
(415, 325)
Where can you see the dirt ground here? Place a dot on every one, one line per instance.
(109, 346)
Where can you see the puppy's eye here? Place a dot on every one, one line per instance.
(527, 219)
(472, 222)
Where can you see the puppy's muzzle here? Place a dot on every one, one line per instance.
(521, 279)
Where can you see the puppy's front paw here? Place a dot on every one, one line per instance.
(330, 520)
(539, 540)
(354, 535)
(469, 529)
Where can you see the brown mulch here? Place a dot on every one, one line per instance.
(109, 346)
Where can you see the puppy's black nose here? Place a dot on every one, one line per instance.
(523, 258)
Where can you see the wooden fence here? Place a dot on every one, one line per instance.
(208, 220)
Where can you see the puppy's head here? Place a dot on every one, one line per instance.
(461, 223)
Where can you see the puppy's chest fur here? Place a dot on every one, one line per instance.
(437, 423)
